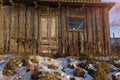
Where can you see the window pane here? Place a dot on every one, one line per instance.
(76, 23)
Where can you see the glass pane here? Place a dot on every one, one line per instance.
(76, 23)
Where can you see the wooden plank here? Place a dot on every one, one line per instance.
(96, 35)
(9, 28)
(25, 27)
(79, 42)
(18, 28)
(6, 28)
(35, 22)
(107, 31)
(67, 33)
(38, 32)
(1, 26)
(92, 32)
(100, 32)
(77, 51)
(82, 41)
(29, 27)
(59, 29)
(93, 28)
(22, 20)
(64, 29)
(14, 26)
(96, 29)
(83, 32)
(21, 26)
(29, 34)
(48, 49)
(35, 27)
(85, 28)
(90, 29)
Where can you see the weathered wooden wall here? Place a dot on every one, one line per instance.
(95, 36)
(20, 28)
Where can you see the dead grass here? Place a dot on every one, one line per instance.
(49, 76)
(52, 66)
(34, 60)
(105, 66)
(79, 72)
(11, 67)
(102, 71)
(57, 74)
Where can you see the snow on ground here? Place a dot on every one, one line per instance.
(44, 62)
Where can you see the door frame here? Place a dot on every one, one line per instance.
(56, 28)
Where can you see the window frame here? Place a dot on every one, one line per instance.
(75, 17)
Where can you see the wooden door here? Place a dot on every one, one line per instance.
(48, 34)
(75, 34)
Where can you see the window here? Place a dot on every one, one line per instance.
(75, 23)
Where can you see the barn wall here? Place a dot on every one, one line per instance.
(20, 28)
(94, 37)
(20, 24)
(100, 30)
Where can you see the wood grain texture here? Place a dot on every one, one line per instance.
(23, 29)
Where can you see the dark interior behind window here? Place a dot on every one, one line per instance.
(76, 23)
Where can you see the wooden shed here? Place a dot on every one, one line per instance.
(55, 26)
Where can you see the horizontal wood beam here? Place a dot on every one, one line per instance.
(36, 3)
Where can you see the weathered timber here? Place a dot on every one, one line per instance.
(69, 27)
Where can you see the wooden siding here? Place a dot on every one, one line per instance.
(21, 29)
